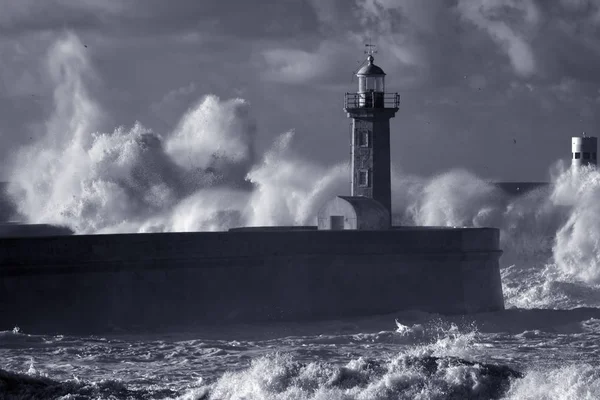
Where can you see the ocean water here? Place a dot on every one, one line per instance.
(206, 175)
(516, 354)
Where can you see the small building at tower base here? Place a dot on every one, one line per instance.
(355, 213)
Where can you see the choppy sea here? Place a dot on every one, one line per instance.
(514, 354)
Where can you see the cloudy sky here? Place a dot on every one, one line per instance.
(494, 86)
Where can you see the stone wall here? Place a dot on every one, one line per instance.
(97, 283)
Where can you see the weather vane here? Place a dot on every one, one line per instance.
(371, 48)
(370, 51)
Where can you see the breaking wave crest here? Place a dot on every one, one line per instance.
(434, 359)
(406, 376)
(569, 382)
(440, 368)
(206, 175)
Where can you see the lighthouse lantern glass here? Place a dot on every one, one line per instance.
(371, 83)
(362, 84)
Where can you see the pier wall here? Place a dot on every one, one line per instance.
(97, 283)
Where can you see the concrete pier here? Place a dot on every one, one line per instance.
(97, 283)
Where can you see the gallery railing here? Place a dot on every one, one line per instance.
(372, 100)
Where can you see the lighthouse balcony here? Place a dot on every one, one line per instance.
(371, 99)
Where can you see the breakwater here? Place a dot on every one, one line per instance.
(156, 280)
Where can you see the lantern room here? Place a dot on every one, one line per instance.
(371, 85)
(371, 78)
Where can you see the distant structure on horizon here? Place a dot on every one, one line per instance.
(584, 151)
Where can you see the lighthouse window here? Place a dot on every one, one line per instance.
(593, 156)
(362, 84)
(379, 84)
(586, 156)
(363, 138)
(577, 155)
(371, 84)
(363, 178)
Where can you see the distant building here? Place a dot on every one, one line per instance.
(584, 151)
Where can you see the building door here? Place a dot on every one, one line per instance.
(337, 222)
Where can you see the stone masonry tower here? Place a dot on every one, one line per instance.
(371, 109)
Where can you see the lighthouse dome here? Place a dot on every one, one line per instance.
(370, 68)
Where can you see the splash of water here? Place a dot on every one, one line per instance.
(290, 191)
(561, 267)
(457, 198)
(439, 369)
(204, 175)
(216, 135)
(569, 382)
(577, 247)
(550, 236)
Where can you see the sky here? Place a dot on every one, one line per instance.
(497, 87)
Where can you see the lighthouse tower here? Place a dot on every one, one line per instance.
(583, 150)
(371, 109)
(369, 206)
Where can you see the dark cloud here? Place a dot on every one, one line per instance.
(244, 19)
(29, 15)
(544, 40)
(568, 44)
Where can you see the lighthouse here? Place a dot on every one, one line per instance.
(369, 207)
(371, 109)
(583, 151)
